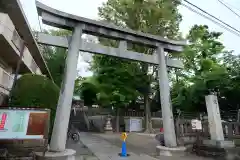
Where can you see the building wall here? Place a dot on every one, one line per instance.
(6, 26)
(7, 29)
(9, 33)
(30, 62)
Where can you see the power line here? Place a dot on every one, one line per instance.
(231, 6)
(214, 21)
(224, 4)
(212, 16)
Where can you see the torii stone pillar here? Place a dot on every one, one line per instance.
(167, 115)
(59, 134)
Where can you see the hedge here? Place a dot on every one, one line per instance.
(35, 91)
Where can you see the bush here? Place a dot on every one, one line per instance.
(35, 91)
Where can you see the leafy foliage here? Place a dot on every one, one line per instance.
(125, 81)
(208, 68)
(35, 91)
(117, 81)
(55, 57)
(89, 90)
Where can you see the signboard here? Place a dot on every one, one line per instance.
(196, 124)
(124, 136)
(23, 124)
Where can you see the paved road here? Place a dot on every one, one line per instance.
(135, 143)
(107, 147)
(82, 152)
(104, 150)
(142, 144)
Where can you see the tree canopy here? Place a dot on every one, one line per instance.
(35, 91)
(122, 82)
(208, 68)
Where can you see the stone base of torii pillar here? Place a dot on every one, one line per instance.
(217, 146)
(68, 154)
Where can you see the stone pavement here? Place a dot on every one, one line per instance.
(135, 143)
(82, 152)
(107, 147)
(104, 150)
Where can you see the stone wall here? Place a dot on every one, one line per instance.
(21, 149)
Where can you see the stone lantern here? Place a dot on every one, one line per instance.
(108, 124)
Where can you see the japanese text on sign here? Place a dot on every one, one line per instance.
(196, 124)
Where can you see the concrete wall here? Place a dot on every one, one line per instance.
(9, 34)
(6, 26)
(30, 62)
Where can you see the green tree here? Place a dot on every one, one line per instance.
(116, 81)
(158, 17)
(88, 90)
(55, 57)
(35, 91)
(228, 97)
(203, 70)
(77, 85)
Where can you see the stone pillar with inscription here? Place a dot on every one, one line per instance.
(221, 146)
(214, 118)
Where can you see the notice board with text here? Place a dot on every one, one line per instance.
(23, 123)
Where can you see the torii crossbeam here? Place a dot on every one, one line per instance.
(80, 25)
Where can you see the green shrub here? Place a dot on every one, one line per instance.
(35, 91)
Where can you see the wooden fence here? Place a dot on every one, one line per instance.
(141, 114)
(231, 130)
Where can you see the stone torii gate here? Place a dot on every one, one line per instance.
(80, 25)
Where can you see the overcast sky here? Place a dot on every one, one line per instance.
(89, 9)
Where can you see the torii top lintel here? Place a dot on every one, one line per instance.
(64, 20)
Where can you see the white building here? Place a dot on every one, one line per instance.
(16, 36)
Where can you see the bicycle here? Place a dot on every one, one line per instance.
(73, 134)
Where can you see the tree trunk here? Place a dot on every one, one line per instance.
(148, 121)
(86, 120)
(117, 119)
